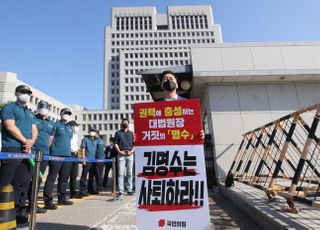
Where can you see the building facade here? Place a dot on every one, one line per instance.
(8, 83)
(243, 86)
(140, 38)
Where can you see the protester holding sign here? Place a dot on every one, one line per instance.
(171, 177)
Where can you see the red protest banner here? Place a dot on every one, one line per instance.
(168, 123)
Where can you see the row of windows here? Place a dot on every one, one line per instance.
(134, 89)
(116, 51)
(133, 80)
(157, 63)
(137, 97)
(189, 22)
(163, 34)
(105, 116)
(115, 74)
(133, 23)
(162, 42)
(156, 55)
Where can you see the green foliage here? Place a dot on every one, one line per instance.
(3, 104)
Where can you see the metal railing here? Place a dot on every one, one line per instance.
(283, 158)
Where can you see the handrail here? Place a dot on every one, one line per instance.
(283, 158)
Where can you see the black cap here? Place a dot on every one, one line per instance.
(43, 104)
(23, 89)
(65, 110)
(73, 123)
(92, 129)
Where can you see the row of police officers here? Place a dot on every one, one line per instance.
(22, 131)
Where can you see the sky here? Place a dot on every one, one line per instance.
(57, 45)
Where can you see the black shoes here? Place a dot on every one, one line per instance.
(83, 194)
(21, 219)
(50, 206)
(130, 193)
(41, 210)
(94, 192)
(75, 196)
(119, 197)
(65, 202)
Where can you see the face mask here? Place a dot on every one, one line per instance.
(43, 112)
(169, 85)
(76, 128)
(65, 117)
(124, 126)
(92, 134)
(23, 98)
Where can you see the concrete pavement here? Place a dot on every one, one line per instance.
(101, 213)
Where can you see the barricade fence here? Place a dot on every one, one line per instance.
(283, 158)
(35, 159)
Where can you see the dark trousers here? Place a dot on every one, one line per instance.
(43, 167)
(95, 175)
(17, 173)
(73, 178)
(83, 181)
(55, 168)
(107, 167)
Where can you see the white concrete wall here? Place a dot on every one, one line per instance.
(8, 83)
(239, 108)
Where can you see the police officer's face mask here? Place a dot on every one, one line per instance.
(76, 128)
(65, 117)
(23, 98)
(43, 112)
(169, 85)
(92, 134)
(124, 126)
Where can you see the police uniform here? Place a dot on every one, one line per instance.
(16, 172)
(90, 146)
(97, 170)
(45, 128)
(42, 144)
(61, 146)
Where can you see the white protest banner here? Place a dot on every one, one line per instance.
(171, 186)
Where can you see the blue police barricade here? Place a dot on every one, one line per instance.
(38, 157)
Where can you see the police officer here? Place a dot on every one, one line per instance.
(95, 173)
(19, 134)
(61, 146)
(74, 154)
(89, 149)
(45, 127)
(110, 153)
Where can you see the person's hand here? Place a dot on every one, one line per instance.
(29, 142)
(202, 135)
(123, 153)
(26, 149)
(130, 152)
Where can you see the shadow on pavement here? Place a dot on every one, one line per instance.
(55, 226)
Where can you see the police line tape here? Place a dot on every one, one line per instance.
(19, 156)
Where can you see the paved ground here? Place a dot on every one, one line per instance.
(101, 213)
(254, 201)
